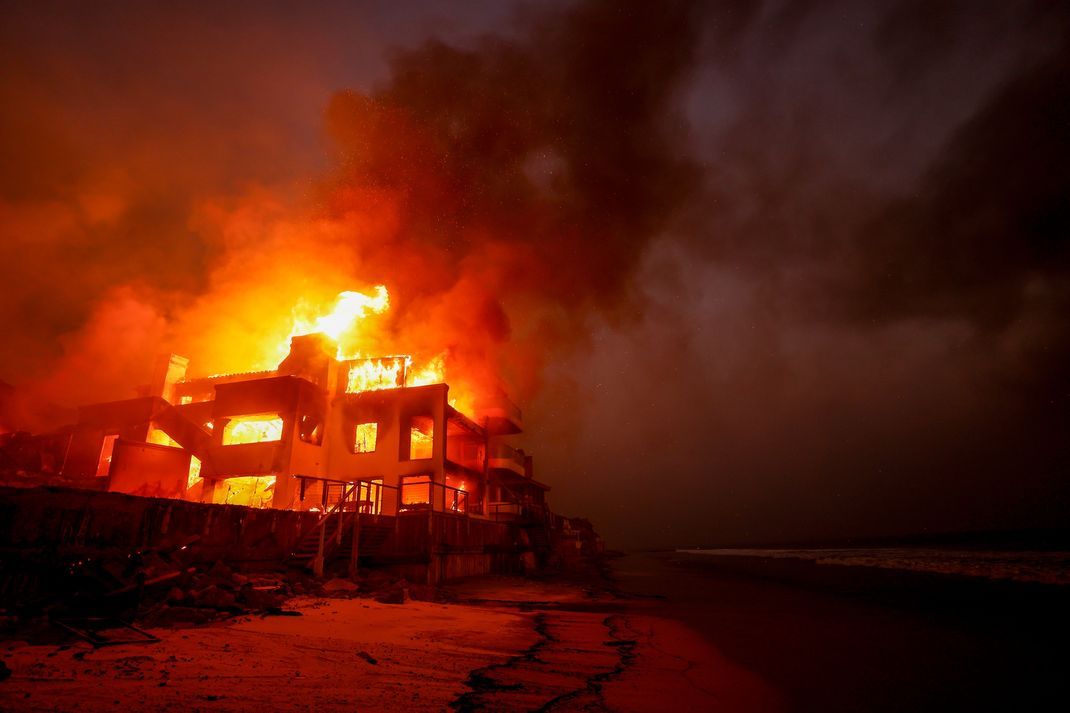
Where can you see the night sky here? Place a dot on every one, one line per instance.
(756, 271)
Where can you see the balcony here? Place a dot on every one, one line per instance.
(465, 454)
(499, 416)
(502, 456)
(522, 511)
(465, 442)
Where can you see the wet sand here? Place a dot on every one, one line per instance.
(847, 639)
(601, 651)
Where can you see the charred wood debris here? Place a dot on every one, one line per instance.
(109, 599)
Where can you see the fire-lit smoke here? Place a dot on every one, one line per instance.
(492, 190)
(344, 323)
(818, 250)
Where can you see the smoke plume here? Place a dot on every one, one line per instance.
(757, 271)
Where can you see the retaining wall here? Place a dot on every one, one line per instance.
(69, 521)
(59, 522)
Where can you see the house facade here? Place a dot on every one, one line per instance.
(308, 436)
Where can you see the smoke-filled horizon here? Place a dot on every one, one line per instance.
(756, 271)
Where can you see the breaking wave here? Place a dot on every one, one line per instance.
(1021, 566)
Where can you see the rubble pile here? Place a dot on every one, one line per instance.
(204, 595)
(169, 588)
(218, 592)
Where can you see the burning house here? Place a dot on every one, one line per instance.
(307, 436)
(377, 445)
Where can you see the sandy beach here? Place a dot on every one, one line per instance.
(670, 632)
(506, 643)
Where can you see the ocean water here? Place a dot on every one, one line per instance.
(1021, 566)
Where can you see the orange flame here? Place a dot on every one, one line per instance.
(252, 429)
(343, 320)
(344, 323)
(375, 374)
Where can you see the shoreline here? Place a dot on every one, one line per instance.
(650, 630)
(846, 638)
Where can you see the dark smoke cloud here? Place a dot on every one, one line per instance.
(763, 270)
(495, 185)
(987, 230)
(133, 136)
(533, 171)
(879, 343)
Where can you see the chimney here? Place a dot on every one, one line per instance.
(169, 370)
(312, 357)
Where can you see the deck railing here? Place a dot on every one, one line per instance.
(504, 456)
(521, 510)
(362, 497)
(447, 497)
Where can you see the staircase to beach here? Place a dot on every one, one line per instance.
(375, 533)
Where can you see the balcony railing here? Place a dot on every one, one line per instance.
(504, 457)
(368, 497)
(520, 511)
(342, 515)
(437, 496)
